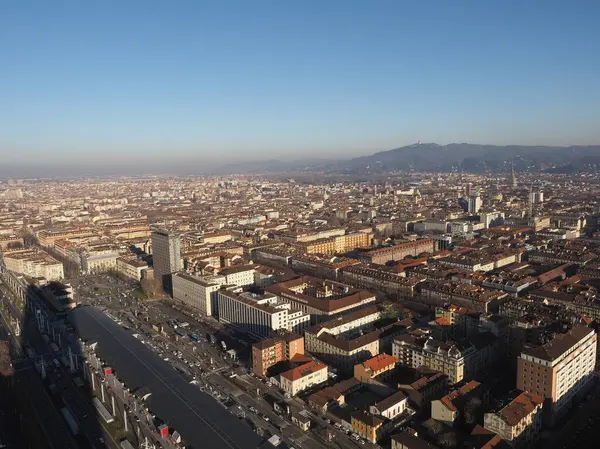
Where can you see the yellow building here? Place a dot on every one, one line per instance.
(368, 426)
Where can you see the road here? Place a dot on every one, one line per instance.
(76, 400)
(51, 422)
(214, 368)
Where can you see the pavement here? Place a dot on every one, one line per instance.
(50, 420)
(79, 403)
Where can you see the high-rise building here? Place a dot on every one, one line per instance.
(559, 370)
(475, 204)
(166, 255)
(468, 189)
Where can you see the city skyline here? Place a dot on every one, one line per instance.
(95, 84)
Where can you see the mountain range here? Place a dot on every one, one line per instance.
(456, 156)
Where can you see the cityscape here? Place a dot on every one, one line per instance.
(266, 224)
(435, 310)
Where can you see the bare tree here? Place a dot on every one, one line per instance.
(6, 368)
(151, 287)
(447, 440)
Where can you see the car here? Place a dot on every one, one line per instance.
(337, 425)
(361, 441)
(100, 440)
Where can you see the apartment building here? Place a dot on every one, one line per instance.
(398, 252)
(310, 234)
(390, 407)
(216, 237)
(393, 284)
(241, 275)
(519, 422)
(303, 377)
(321, 298)
(381, 368)
(198, 292)
(130, 267)
(352, 338)
(559, 370)
(259, 315)
(368, 426)
(268, 352)
(405, 440)
(351, 241)
(33, 263)
(428, 387)
(321, 246)
(474, 297)
(460, 359)
(448, 408)
(99, 259)
(9, 241)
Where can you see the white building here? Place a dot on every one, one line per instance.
(242, 275)
(390, 407)
(258, 315)
(198, 292)
(302, 377)
(131, 268)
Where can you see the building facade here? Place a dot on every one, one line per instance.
(559, 370)
(166, 255)
(198, 292)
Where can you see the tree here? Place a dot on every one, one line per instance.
(151, 287)
(6, 368)
(447, 440)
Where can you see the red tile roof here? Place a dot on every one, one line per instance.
(303, 370)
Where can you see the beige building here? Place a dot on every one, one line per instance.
(321, 298)
(34, 263)
(353, 338)
(99, 260)
(131, 268)
(519, 422)
(461, 359)
(382, 367)
(447, 408)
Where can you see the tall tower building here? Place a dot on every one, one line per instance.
(166, 255)
(475, 204)
(513, 177)
(560, 370)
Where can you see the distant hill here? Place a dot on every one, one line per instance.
(478, 158)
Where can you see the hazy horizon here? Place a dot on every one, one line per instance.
(160, 84)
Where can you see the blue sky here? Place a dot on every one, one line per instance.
(228, 80)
